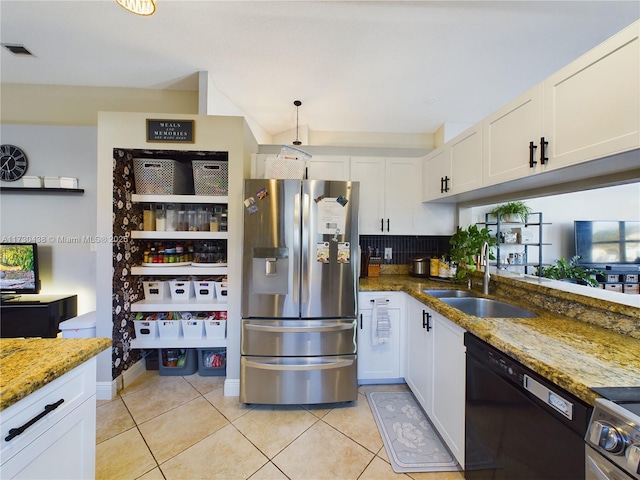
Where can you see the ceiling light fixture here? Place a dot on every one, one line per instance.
(139, 7)
(297, 103)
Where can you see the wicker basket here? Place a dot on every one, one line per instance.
(162, 177)
(210, 177)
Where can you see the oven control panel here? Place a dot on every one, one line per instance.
(615, 433)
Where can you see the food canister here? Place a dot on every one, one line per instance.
(419, 266)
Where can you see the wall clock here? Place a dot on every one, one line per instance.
(13, 163)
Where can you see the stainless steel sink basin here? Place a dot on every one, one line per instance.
(486, 308)
(449, 293)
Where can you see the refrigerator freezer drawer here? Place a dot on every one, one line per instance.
(298, 337)
(298, 380)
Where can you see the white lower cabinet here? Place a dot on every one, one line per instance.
(60, 444)
(435, 371)
(379, 362)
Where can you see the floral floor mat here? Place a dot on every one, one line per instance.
(411, 441)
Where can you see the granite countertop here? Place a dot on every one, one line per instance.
(577, 353)
(27, 364)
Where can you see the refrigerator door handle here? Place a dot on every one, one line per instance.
(304, 366)
(296, 243)
(307, 248)
(321, 328)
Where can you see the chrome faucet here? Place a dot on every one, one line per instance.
(485, 255)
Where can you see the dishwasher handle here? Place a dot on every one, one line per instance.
(548, 396)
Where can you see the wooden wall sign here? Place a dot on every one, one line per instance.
(176, 131)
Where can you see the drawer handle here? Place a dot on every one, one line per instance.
(14, 432)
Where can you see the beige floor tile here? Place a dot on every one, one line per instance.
(123, 457)
(323, 453)
(272, 428)
(148, 378)
(230, 407)
(154, 474)
(357, 423)
(176, 430)
(224, 455)
(112, 418)
(268, 472)
(321, 409)
(378, 469)
(149, 402)
(205, 384)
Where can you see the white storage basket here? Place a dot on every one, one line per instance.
(192, 328)
(205, 290)
(216, 329)
(156, 290)
(169, 329)
(181, 289)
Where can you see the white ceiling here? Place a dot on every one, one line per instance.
(357, 66)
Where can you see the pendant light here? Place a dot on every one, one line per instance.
(139, 7)
(297, 103)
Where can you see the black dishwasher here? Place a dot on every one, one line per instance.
(519, 426)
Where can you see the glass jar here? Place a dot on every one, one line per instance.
(171, 217)
(148, 218)
(214, 221)
(192, 220)
(183, 223)
(161, 218)
(202, 215)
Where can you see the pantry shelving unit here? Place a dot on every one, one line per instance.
(165, 270)
(500, 226)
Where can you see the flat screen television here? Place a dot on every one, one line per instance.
(19, 272)
(607, 242)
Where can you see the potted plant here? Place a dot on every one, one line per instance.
(466, 246)
(570, 271)
(512, 211)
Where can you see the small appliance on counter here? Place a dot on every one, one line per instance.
(419, 266)
(373, 268)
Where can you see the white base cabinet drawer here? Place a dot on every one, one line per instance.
(50, 434)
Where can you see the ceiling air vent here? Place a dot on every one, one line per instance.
(17, 49)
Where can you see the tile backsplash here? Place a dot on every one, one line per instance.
(404, 247)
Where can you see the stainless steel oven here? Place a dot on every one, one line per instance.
(612, 447)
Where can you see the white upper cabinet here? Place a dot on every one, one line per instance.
(325, 167)
(511, 139)
(454, 168)
(592, 106)
(389, 194)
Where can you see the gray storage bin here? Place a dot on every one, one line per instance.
(162, 177)
(186, 357)
(204, 362)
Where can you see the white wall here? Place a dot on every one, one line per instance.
(55, 221)
(611, 203)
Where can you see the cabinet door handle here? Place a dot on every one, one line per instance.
(441, 184)
(360, 321)
(532, 154)
(388, 224)
(382, 224)
(543, 151)
(14, 432)
(426, 316)
(446, 183)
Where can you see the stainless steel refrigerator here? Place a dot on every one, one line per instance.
(299, 292)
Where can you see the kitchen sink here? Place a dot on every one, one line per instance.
(486, 308)
(449, 293)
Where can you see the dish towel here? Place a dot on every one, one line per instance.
(380, 324)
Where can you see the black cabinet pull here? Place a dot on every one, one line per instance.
(360, 321)
(388, 224)
(446, 183)
(532, 154)
(382, 224)
(543, 151)
(14, 432)
(441, 184)
(426, 316)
